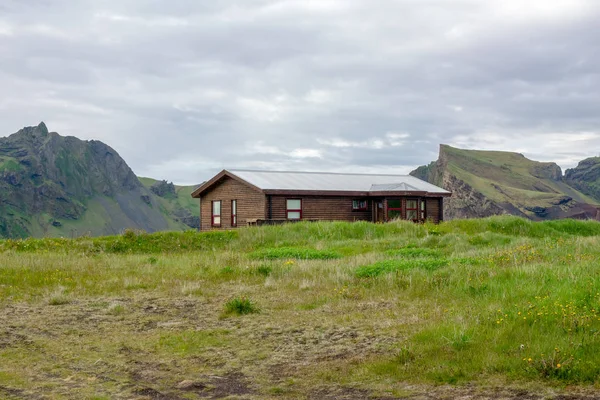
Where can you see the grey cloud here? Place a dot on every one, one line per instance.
(184, 88)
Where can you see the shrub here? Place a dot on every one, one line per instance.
(264, 270)
(241, 306)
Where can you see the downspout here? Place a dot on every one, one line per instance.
(441, 207)
(200, 217)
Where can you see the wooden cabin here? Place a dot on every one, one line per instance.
(235, 198)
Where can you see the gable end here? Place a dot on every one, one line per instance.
(216, 179)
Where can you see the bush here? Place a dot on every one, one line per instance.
(241, 306)
(264, 270)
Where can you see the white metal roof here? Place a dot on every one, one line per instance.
(324, 181)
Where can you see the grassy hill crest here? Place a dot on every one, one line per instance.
(488, 183)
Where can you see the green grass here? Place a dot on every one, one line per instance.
(241, 306)
(9, 164)
(129, 242)
(414, 252)
(386, 310)
(387, 266)
(296, 253)
(191, 342)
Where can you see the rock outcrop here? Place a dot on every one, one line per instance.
(586, 177)
(486, 183)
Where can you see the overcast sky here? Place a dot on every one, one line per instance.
(183, 88)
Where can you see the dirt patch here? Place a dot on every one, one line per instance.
(345, 393)
(11, 393)
(155, 394)
(445, 393)
(231, 384)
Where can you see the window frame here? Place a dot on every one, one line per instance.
(416, 209)
(213, 215)
(388, 208)
(359, 208)
(234, 213)
(288, 210)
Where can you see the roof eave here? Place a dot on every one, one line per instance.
(290, 192)
(293, 192)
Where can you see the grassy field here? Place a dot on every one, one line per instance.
(491, 308)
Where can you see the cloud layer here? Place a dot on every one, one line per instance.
(182, 89)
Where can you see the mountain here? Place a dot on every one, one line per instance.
(52, 185)
(486, 183)
(586, 177)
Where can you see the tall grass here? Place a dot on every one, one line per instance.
(497, 299)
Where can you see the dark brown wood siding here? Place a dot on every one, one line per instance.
(323, 208)
(432, 209)
(250, 203)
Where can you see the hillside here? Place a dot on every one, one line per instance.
(52, 185)
(486, 183)
(176, 200)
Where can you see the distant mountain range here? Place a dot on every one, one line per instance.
(52, 185)
(486, 183)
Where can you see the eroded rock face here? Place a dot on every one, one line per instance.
(586, 177)
(164, 189)
(547, 171)
(185, 216)
(467, 202)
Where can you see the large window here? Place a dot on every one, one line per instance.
(293, 208)
(412, 209)
(394, 210)
(216, 213)
(234, 213)
(359, 205)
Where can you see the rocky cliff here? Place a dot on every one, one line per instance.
(486, 183)
(52, 185)
(586, 177)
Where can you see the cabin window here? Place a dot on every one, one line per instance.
(359, 205)
(423, 210)
(216, 213)
(412, 210)
(394, 209)
(294, 208)
(234, 213)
